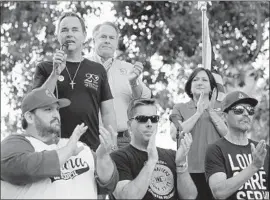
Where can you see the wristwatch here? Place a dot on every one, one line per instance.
(114, 148)
(181, 168)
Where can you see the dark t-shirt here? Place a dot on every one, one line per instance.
(229, 158)
(130, 161)
(90, 90)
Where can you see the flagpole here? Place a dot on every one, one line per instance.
(207, 48)
(204, 34)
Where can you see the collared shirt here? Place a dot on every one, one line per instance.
(203, 133)
(117, 72)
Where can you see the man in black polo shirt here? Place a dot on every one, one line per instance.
(82, 81)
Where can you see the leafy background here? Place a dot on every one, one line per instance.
(165, 36)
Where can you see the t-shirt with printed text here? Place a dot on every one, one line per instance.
(130, 161)
(90, 90)
(224, 156)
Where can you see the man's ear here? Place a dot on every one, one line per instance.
(129, 126)
(29, 117)
(84, 35)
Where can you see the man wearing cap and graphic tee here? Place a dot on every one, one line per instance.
(82, 81)
(235, 166)
(40, 165)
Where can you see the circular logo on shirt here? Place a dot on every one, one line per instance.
(61, 78)
(162, 182)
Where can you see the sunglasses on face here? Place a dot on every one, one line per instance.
(239, 110)
(144, 118)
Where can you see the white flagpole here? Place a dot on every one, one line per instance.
(207, 49)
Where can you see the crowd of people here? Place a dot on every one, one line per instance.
(102, 142)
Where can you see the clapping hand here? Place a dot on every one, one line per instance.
(183, 149)
(258, 154)
(152, 149)
(201, 104)
(212, 101)
(108, 141)
(135, 72)
(73, 140)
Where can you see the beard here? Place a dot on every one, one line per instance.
(45, 130)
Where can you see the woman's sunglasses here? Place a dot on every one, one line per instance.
(239, 110)
(144, 118)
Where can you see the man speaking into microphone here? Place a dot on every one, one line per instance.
(78, 79)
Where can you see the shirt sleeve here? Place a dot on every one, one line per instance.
(20, 164)
(40, 75)
(122, 165)
(214, 161)
(177, 112)
(106, 93)
(146, 92)
(111, 184)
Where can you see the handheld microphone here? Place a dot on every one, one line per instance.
(64, 46)
(174, 120)
(179, 128)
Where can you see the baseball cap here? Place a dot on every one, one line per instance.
(237, 97)
(41, 97)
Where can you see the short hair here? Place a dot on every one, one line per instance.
(213, 83)
(139, 102)
(97, 27)
(71, 14)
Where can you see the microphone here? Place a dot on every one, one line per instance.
(179, 128)
(64, 46)
(174, 120)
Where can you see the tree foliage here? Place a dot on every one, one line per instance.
(172, 32)
(171, 29)
(28, 36)
(165, 36)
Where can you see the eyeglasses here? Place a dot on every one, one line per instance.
(144, 118)
(239, 110)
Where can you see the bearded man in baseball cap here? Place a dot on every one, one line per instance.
(235, 166)
(39, 164)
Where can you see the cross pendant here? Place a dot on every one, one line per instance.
(72, 84)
